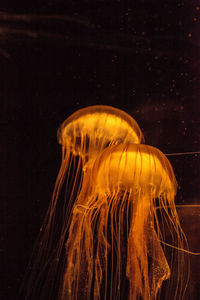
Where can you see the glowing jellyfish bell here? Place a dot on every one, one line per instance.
(114, 242)
(89, 131)
(83, 136)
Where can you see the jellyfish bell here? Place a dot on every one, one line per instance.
(134, 168)
(84, 135)
(138, 166)
(89, 130)
(115, 230)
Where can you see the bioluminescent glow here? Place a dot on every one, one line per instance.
(115, 235)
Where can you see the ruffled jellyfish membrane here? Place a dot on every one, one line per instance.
(83, 136)
(114, 245)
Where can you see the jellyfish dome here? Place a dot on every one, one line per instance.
(91, 129)
(84, 135)
(114, 243)
(140, 168)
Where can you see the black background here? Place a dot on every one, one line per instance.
(59, 56)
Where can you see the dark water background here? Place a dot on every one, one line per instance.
(59, 56)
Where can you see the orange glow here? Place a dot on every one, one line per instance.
(103, 236)
(85, 134)
(115, 228)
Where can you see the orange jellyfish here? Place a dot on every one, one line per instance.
(83, 135)
(89, 131)
(114, 247)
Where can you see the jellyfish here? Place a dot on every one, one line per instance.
(83, 135)
(87, 132)
(114, 247)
